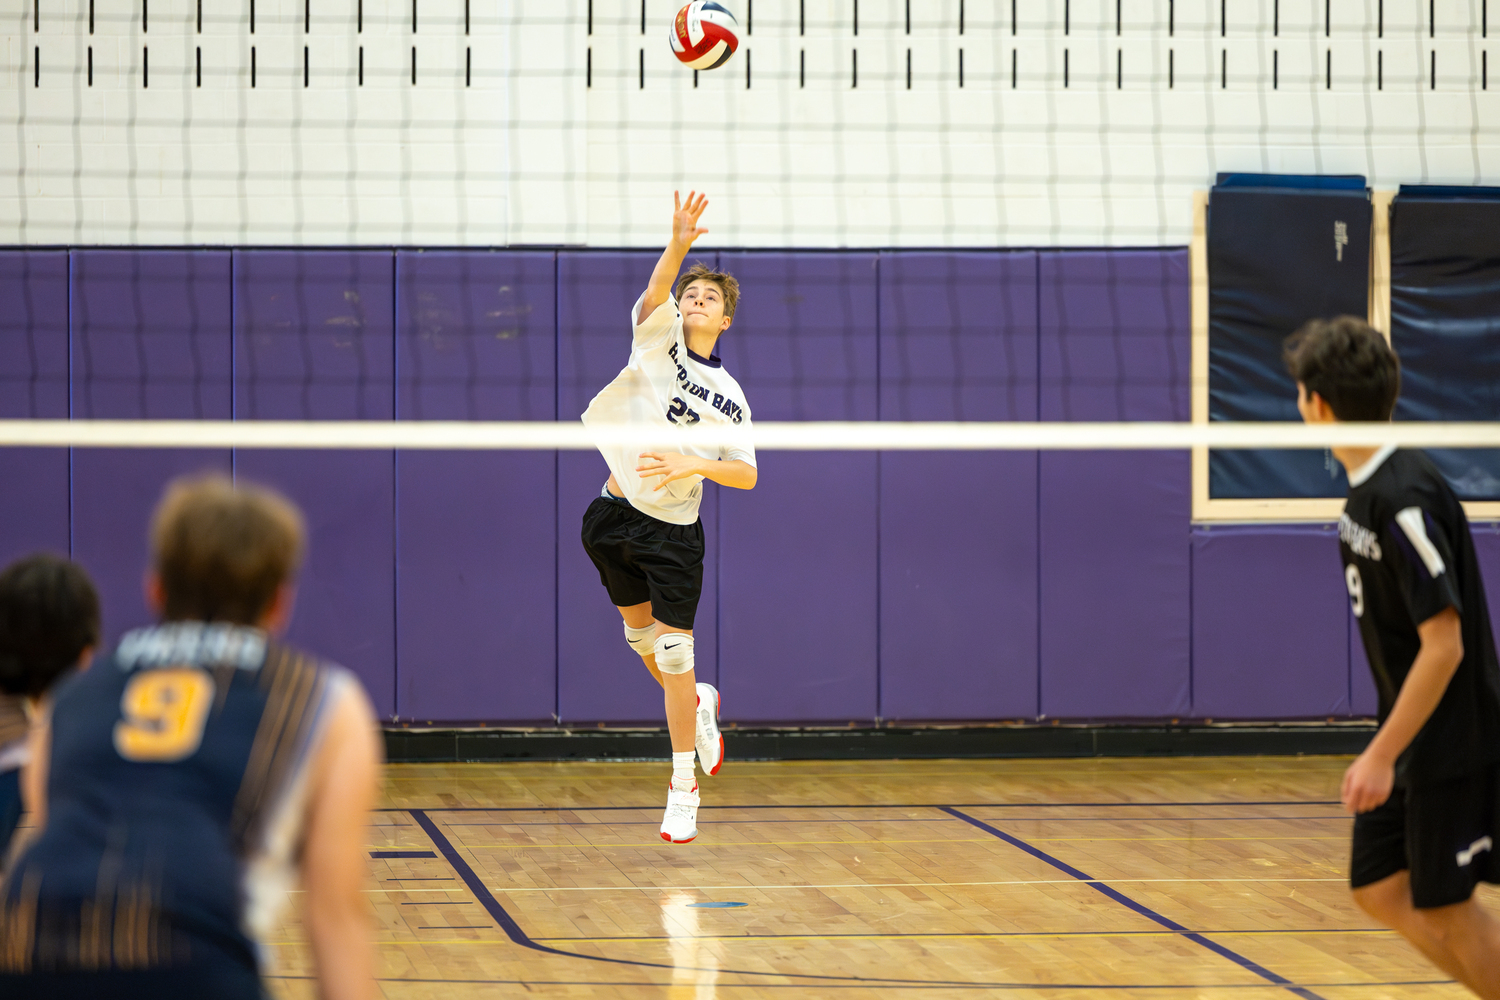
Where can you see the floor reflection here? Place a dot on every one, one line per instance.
(697, 970)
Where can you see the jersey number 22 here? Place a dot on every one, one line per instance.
(679, 408)
(164, 713)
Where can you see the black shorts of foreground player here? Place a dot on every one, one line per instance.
(183, 783)
(1426, 791)
(643, 532)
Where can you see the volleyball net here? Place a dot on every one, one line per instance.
(931, 436)
(837, 123)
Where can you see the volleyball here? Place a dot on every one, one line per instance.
(704, 35)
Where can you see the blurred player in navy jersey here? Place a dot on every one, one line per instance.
(49, 625)
(1426, 791)
(185, 781)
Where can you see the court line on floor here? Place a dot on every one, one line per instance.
(1327, 818)
(873, 805)
(517, 936)
(748, 887)
(888, 985)
(958, 934)
(557, 845)
(1140, 908)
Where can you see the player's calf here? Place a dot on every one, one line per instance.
(707, 735)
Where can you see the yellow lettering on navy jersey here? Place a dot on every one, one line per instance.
(165, 711)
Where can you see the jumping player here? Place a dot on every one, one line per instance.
(643, 531)
(49, 626)
(1426, 791)
(183, 782)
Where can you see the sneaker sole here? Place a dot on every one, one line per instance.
(689, 840)
(718, 705)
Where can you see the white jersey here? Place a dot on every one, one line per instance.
(675, 395)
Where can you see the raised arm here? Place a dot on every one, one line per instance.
(684, 231)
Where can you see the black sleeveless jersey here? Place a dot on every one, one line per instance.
(1408, 556)
(173, 803)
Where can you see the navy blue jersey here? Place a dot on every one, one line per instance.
(1408, 556)
(173, 803)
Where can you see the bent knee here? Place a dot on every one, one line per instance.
(1388, 901)
(674, 652)
(1448, 924)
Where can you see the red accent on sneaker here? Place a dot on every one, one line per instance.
(721, 756)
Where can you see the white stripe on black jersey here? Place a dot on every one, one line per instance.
(1408, 556)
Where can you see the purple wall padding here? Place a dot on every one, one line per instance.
(150, 340)
(598, 678)
(798, 571)
(1114, 552)
(1092, 585)
(34, 482)
(1270, 629)
(476, 568)
(958, 341)
(314, 341)
(1487, 545)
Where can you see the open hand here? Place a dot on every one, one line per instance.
(669, 465)
(1367, 783)
(685, 218)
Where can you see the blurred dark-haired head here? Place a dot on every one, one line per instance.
(49, 615)
(1349, 364)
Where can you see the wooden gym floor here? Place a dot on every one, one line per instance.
(1115, 878)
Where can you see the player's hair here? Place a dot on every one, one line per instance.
(221, 550)
(1349, 364)
(49, 614)
(725, 281)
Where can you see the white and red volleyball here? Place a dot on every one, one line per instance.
(704, 35)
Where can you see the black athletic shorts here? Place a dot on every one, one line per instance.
(642, 559)
(1444, 834)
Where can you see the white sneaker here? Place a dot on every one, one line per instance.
(680, 824)
(710, 741)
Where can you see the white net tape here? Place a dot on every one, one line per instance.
(769, 436)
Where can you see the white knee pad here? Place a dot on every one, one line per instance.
(674, 653)
(640, 639)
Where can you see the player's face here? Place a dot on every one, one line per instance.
(703, 306)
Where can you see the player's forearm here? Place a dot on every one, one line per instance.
(343, 950)
(739, 474)
(662, 277)
(1440, 655)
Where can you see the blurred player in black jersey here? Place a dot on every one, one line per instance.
(1426, 791)
(186, 780)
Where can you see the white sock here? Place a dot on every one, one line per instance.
(683, 778)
